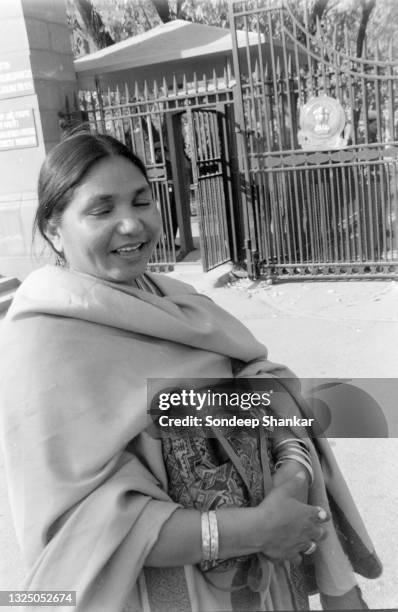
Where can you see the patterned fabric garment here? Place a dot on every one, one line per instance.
(202, 475)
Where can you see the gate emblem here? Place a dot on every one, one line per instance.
(322, 119)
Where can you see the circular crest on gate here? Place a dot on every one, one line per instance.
(322, 119)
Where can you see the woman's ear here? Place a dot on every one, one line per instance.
(54, 236)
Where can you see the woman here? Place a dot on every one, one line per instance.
(99, 504)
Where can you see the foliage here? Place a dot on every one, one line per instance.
(82, 42)
(339, 19)
(121, 19)
(209, 12)
(125, 18)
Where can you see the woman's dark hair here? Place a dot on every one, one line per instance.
(63, 170)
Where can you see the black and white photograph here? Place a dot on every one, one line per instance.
(198, 305)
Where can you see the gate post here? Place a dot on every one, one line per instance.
(243, 161)
(182, 204)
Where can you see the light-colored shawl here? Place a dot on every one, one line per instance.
(75, 355)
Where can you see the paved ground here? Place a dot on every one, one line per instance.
(340, 329)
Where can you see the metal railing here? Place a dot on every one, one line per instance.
(315, 213)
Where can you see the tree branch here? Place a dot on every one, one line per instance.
(163, 9)
(367, 8)
(178, 9)
(94, 24)
(317, 13)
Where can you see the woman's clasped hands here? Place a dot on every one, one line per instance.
(289, 528)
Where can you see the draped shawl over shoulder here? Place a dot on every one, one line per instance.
(75, 354)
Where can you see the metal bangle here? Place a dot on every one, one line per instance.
(206, 538)
(291, 441)
(290, 450)
(285, 441)
(214, 543)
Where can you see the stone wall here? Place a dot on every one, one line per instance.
(51, 60)
(36, 74)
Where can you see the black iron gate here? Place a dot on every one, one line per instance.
(210, 164)
(314, 210)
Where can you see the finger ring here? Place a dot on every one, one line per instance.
(321, 514)
(310, 549)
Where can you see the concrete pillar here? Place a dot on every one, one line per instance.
(36, 72)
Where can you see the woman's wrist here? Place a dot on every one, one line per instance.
(239, 532)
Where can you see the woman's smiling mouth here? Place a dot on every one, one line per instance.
(129, 249)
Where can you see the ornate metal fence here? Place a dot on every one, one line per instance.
(313, 206)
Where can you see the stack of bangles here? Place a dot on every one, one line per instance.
(209, 536)
(292, 449)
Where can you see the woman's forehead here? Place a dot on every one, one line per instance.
(113, 175)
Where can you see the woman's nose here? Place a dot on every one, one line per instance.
(129, 224)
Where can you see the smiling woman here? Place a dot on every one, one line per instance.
(128, 521)
(105, 222)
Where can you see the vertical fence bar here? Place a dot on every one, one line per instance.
(100, 105)
(249, 227)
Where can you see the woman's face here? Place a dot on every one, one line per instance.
(111, 225)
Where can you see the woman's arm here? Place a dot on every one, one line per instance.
(180, 541)
(290, 468)
(280, 527)
(289, 472)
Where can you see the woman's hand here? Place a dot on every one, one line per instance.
(287, 526)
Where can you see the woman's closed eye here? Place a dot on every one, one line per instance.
(143, 199)
(140, 202)
(104, 210)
